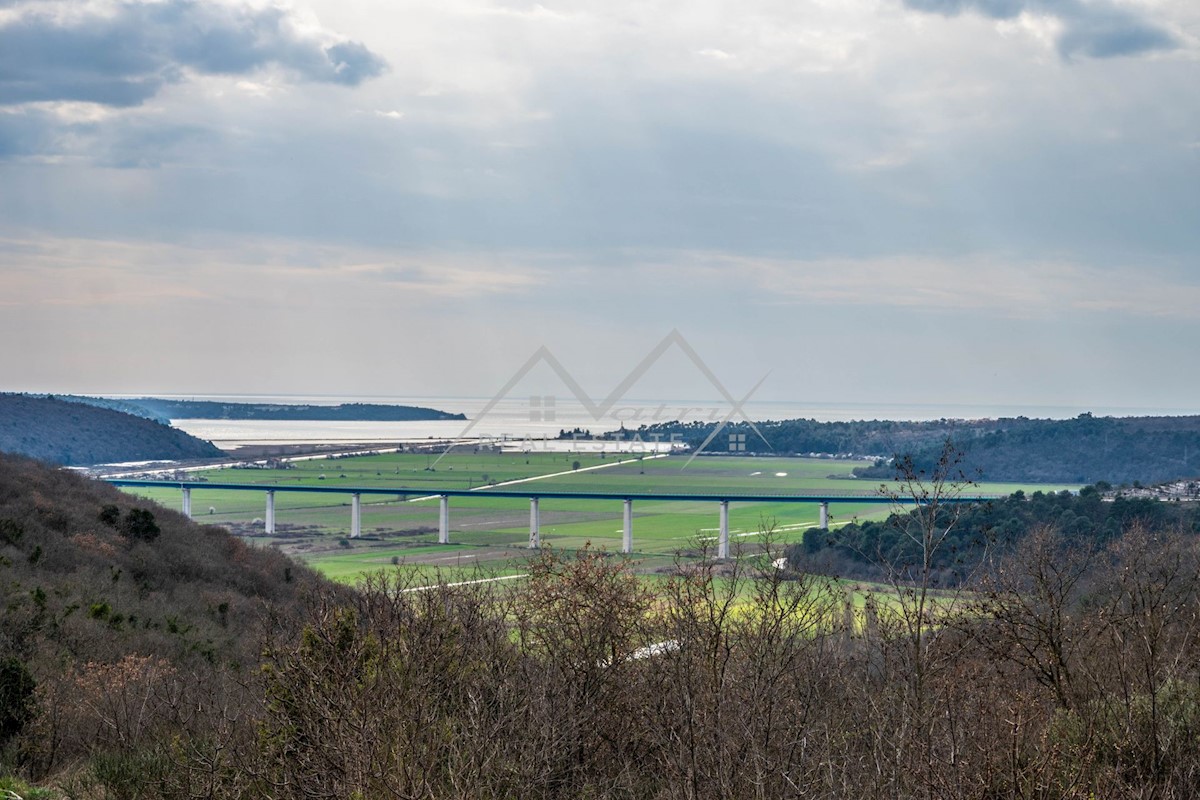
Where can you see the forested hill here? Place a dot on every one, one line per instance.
(164, 409)
(1086, 449)
(75, 434)
(861, 549)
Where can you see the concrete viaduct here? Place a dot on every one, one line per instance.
(534, 496)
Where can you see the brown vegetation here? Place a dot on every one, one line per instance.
(1064, 668)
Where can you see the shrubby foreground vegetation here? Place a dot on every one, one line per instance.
(1062, 666)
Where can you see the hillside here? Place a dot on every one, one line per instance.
(101, 592)
(75, 434)
(69, 544)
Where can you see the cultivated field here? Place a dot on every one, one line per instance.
(490, 534)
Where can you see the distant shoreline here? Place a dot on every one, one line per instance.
(167, 410)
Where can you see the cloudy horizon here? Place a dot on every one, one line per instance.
(976, 202)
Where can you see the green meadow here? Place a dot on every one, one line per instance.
(490, 535)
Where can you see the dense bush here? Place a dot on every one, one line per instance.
(16, 697)
(743, 681)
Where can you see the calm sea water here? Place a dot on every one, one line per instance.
(524, 417)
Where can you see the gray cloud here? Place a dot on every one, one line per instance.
(1113, 33)
(996, 9)
(352, 63)
(1098, 30)
(124, 58)
(22, 135)
(833, 176)
(120, 141)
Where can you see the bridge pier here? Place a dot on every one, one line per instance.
(423, 494)
(723, 535)
(627, 538)
(535, 524)
(444, 520)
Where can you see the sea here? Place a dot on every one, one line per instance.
(545, 417)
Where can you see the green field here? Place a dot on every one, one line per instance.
(492, 533)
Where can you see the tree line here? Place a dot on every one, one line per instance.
(858, 548)
(1086, 449)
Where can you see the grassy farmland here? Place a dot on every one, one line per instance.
(491, 534)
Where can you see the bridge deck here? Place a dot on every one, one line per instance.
(410, 492)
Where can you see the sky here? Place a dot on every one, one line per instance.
(991, 202)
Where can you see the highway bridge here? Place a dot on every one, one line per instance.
(410, 494)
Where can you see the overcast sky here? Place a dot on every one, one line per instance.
(963, 201)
